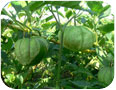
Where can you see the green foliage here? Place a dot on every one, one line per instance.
(68, 14)
(106, 75)
(106, 28)
(35, 5)
(17, 6)
(95, 6)
(48, 25)
(105, 11)
(69, 4)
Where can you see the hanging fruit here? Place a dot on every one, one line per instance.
(30, 51)
(77, 38)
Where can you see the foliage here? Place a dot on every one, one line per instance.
(61, 67)
(105, 75)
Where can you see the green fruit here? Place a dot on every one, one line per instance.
(30, 51)
(77, 38)
(106, 75)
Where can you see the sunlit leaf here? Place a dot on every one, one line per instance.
(69, 13)
(48, 24)
(17, 6)
(49, 18)
(35, 5)
(106, 28)
(68, 4)
(105, 11)
(95, 6)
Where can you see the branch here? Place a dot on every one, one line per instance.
(76, 15)
(17, 22)
(58, 15)
(51, 10)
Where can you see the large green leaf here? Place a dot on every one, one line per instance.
(60, 13)
(17, 6)
(49, 18)
(69, 13)
(22, 5)
(84, 71)
(105, 11)
(33, 6)
(4, 12)
(87, 84)
(68, 4)
(48, 25)
(83, 84)
(28, 13)
(106, 28)
(95, 6)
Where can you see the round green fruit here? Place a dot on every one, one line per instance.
(77, 38)
(30, 51)
(106, 75)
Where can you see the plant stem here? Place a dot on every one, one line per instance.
(58, 15)
(76, 15)
(53, 15)
(74, 21)
(58, 80)
(16, 21)
(59, 62)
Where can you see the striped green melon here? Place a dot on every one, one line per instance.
(106, 75)
(30, 51)
(77, 38)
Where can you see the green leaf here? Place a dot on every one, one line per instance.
(106, 28)
(65, 9)
(47, 25)
(36, 29)
(4, 12)
(95, 6)
(17, 6)
(10, 77)
(84, 71)
(83, 84)
(68, 13)
(33, 6)
(19, 79)
(59, 13)
(109, 35)
(105, 11)
(49, 18)
(7, 45)
(28, 13)
(68, 4)
(87, 85)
